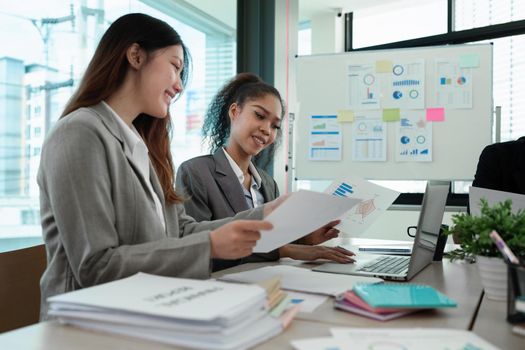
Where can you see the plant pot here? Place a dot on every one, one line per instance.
(493, 273)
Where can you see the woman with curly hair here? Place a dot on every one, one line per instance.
(243, 119)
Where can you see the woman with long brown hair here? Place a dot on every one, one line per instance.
(108, 205)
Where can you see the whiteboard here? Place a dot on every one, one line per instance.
(322, 90)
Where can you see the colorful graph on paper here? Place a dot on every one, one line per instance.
(375, 201)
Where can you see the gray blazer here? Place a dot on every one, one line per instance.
(214, 192)
(98, 218)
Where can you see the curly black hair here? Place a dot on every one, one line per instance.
(243, 87)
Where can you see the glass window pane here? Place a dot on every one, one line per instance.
(304, 39)
(46, 48)
(480, 13)
(396, 21)
(509, 84)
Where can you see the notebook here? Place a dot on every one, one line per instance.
(403, 268)
(344, 304)
(390, 295)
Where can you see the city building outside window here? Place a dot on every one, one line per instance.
(46, 47)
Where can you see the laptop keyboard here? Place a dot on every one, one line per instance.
(386, 264)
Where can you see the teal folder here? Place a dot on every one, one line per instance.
(390, 295)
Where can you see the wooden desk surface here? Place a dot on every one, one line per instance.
(491, 325)
(462, 284)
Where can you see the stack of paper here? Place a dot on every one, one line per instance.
(386, 301)
(183, 312)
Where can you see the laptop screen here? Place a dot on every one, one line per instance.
(429, 225)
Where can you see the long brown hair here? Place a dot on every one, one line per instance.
(107, 70)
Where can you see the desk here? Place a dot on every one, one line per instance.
(462, 284)
(491, 325)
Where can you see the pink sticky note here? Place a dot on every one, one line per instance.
(435, 114)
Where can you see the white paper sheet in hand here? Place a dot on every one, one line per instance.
(375, 202)
(302, 213)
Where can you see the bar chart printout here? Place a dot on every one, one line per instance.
(325, 138)
(375, 200)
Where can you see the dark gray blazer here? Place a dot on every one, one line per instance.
(98, 218)
(213, 192)
(501, 167)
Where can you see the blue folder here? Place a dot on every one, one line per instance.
(396, 295)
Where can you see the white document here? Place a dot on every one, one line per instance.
(406, 85)
(453, 85)
(300, 214)
(325, 343)
(410, 339)
(364, 87)
(176, 298)
(369, 137)
(301, 279)
(326, 139)
(493, 197)
(308, 302)
(374, 202)
(413, 137)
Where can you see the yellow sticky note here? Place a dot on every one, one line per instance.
(345, 116)
(383, 66)
(391, 115)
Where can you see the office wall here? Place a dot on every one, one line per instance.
(286, 24)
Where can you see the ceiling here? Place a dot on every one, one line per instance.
(310, 8)
(225, 10)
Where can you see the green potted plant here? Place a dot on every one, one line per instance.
(472, 233)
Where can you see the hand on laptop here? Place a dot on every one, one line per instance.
(321, 235)
(310, 253)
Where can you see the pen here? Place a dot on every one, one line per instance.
(503, 247)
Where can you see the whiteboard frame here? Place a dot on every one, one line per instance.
(320, 86)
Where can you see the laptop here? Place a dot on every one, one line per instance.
(403, 268)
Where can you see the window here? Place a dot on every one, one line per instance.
(480, 13)
(406, 20)
(509, 58)
(304, 44)
(46, 47)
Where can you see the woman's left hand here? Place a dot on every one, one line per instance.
(322, 234)
(310, 253)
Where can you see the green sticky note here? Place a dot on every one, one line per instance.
(469, 61)
(391, 115)
(345, 116)
(383, 66)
